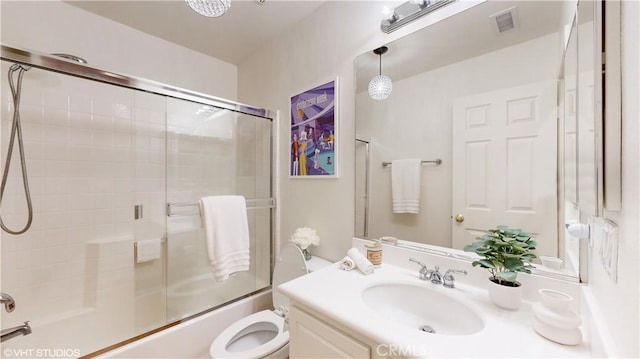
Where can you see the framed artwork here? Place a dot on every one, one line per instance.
(314, 136)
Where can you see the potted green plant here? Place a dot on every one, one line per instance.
(505, 252)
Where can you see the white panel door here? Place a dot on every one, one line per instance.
(505, 164)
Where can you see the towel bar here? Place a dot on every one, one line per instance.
(436, 161)
(251, 204)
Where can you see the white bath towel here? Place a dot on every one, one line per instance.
(361, 261)
(227, 234)
(148, 250)
(405, 185)
(347, 263)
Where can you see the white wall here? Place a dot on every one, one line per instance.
(415, 122)
(617, 303)
(320, 48)
(57, 27)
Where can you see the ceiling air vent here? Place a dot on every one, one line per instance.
(506, 20)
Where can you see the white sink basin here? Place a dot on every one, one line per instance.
(422, 309)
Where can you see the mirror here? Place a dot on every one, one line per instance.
(589, 104)
(568, 124)
(587, 169)
(485, 102)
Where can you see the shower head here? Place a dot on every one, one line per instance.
(72, 58)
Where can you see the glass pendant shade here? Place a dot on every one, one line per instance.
(210, 8)
(380, 87)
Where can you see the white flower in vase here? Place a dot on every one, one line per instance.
(303, 238)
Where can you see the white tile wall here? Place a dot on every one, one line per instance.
(81, 168)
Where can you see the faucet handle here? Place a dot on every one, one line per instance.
(8, 301)
(425, 273)
(448, 280)
(436, 276)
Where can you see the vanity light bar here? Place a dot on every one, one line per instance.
(410, 11)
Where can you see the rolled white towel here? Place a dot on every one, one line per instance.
(361, 261)
(347, 263)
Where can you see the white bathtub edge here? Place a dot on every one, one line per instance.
(192, 338)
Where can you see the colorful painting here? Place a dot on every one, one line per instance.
(314, 133)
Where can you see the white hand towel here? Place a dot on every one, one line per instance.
(361, 261)
(227, 234)
(405, 185)
(148, 250)
(347, 263)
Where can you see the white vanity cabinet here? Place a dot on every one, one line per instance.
(312, 337)
(330, 317)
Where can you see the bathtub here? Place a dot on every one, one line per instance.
(195, 294)
(192, 338)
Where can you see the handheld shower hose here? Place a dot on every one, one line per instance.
(16, 131)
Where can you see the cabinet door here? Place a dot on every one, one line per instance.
(310, 337)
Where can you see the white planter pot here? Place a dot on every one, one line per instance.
(505, 296)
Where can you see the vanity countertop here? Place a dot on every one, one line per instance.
(336, 294)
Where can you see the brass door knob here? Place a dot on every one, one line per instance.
(459, 218)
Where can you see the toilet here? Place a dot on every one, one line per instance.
(263, 334)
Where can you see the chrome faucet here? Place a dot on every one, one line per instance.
(7, 334)
(425, 273)
(448, 279)
(9, 303)
(436, 276)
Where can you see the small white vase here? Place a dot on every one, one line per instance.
(507, 297)
(554, 319)
(555, 300)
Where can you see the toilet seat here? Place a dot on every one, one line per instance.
(265, 321)
(290, 264)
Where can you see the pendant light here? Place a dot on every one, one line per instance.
(210, 8)
(380, 86)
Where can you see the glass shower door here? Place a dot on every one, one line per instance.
(213, 151)
(149, 210)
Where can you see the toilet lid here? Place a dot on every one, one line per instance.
(290, 264)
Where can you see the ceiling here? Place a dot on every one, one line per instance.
(245, 28)
(249, 25)
(468, 34)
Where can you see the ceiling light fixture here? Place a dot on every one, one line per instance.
(380, 86)
(409, 11)
(210, 8)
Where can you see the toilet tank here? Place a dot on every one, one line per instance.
(317, 263)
